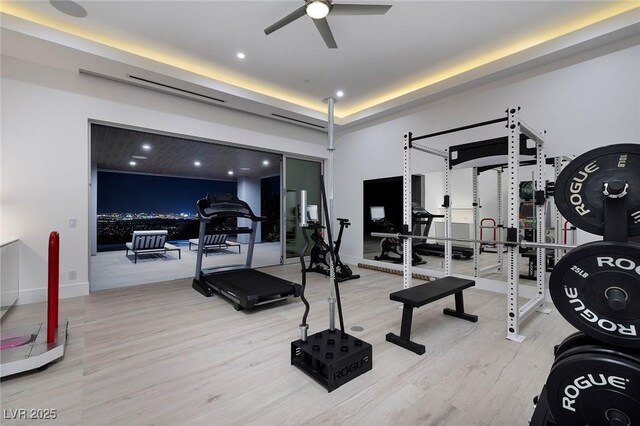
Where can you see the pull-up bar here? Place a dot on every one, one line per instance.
(458, 129)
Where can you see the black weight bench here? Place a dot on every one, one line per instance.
(422, 294)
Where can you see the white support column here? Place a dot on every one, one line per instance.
(500, 221)
(329, 178)
(541, 225)
(513, 271)
(476, 220)
(557, 168)
(406, 215)
(447, 217)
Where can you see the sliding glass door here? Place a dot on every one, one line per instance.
(298, 175)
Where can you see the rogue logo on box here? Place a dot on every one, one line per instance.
(351, 368)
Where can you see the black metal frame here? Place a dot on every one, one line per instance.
(458, 129)
(163, 250)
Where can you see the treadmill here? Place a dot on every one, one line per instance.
(245, 287)
(422, 217)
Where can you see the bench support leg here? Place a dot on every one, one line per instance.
(405, 333)
(459, 312)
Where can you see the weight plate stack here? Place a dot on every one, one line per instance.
(595, 378)
(580, 188)
(573, 341)
(596, 287)
(595, 385)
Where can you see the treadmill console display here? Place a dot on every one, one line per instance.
(223, 205)
(420, 212)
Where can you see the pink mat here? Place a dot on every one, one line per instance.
(13, 342)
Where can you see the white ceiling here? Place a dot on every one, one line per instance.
(382, 62)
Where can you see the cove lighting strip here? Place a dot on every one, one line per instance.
(206, 70)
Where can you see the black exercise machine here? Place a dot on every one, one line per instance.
(422, 217)
(244, 286)
(390, 246)
(320, 251)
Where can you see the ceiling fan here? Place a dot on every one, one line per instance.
(319, 9)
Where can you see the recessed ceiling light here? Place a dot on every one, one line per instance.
(230, 172)
(265, 162)
(69, 7)
(146, 147)
(240, 55)
(197, 163)
(245, 168)
(132, 163)
(339, 93)
(139, 157)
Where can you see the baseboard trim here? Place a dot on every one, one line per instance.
(527, 291)
(37, 295)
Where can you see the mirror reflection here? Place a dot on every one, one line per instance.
(383, 207)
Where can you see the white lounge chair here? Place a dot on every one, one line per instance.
(214, 241)
(144, 242)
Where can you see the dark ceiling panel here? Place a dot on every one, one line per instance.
(113, 148)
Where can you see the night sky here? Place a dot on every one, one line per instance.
(131, 193)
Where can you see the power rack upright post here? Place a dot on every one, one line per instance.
(516, 313)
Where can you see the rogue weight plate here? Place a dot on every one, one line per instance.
(592, 388)
(572, 341)
(579, 189)
(596, 287)
(601, 349)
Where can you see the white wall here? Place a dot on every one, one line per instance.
(45, 155)
(583, 103)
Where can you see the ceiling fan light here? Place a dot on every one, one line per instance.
(317, 9)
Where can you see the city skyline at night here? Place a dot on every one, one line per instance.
(136, 193)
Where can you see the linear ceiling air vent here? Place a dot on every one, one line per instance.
(297, 121)
(254, 108)
(175, 88)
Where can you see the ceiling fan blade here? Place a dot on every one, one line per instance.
(359, 9)
(323, 27)
(298, 13)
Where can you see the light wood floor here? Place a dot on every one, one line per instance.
(164, 354)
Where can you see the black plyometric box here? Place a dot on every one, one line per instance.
(332, 358)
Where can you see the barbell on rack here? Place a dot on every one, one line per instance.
(523, 244)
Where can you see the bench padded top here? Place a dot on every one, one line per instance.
(428, 292)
